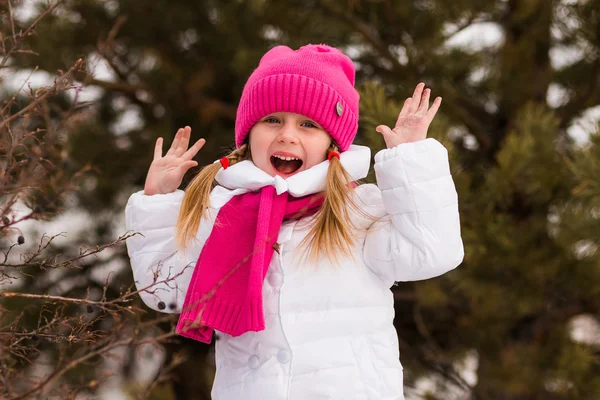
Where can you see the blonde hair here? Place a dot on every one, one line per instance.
(332, 231)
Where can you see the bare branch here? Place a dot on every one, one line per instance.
(17, 38)
(46, 93)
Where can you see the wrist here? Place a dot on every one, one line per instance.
(150, 191)
(391, 145)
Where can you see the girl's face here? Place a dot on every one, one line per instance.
(284, 143)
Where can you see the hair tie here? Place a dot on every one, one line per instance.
(225, 162)
(333, 154)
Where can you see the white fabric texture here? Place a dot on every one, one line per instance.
(329, 328)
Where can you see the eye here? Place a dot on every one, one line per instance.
(271, 120)
(310, 124)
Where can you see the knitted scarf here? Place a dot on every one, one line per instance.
(225, 292)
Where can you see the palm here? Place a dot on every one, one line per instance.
(413, 120)
(166, 172)
(167, 168)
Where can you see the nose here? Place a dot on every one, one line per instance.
(288, 134)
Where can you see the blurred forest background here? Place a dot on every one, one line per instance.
(89, 85)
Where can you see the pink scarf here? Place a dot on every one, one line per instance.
(225, 292)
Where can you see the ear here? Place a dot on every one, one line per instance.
(334, 146)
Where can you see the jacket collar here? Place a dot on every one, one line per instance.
(244, 176)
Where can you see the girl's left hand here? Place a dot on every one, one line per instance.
(413, 120)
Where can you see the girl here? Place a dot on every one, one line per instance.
(287, 258)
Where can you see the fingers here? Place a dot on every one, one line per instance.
(179, 147)
(158, 148)
(424, 102)
(181, 141)
(433, 110)
(416, 98)
(188, 155)
(175, 142)
(384, 130)
(404, 111)
(186, 165)
(419, 103)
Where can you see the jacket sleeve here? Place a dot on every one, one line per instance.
(418, 233)
(154, 256)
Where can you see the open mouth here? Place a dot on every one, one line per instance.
(286, 165)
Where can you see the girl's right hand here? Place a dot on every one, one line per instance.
(166, 173)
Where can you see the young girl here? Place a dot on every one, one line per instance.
(287, 258)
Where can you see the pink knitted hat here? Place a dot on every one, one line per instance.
(316, 81)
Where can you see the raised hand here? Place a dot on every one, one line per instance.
(413, 120)
(166, 173)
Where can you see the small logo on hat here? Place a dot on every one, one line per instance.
(339, 108)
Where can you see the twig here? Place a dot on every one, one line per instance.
(34, 104)
(26, 32)
(52, 378)
(9, 103)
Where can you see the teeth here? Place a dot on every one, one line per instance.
(286, 158)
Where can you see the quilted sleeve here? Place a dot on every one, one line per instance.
(154, 256)
(418, 235)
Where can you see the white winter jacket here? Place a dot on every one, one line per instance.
(329, 329)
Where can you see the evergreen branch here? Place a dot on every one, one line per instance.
(438, 353)
(119, 86)
(368, 32)
(475, 126)
(588, 97)
(473, 19)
